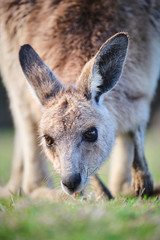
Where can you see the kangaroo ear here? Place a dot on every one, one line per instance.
(105, 68)
(108, 65)
(39, 76)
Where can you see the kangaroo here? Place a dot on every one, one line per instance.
(93, 99)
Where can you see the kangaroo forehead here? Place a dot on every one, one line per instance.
(71, 103)
(69, 113)
(71, 124)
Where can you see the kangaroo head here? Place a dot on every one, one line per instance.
(76, 128)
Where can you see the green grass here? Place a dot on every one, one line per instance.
(122, 218)
(6, 151)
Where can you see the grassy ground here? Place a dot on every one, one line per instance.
(121, 218)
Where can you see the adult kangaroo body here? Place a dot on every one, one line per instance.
(111, 93)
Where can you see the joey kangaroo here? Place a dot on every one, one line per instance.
(93, 92)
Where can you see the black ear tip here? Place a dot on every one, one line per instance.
(24, 49)
(123, 36)
(25, 53)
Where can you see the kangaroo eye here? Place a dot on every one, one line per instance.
(49, 140)
(90, 135)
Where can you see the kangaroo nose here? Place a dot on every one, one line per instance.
(72, 181)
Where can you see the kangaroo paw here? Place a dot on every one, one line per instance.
(99, 188)
(142, 183)
(5, 192)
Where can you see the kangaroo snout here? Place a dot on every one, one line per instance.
(71, 182)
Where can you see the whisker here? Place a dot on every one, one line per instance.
(93, 171)
(84, 168)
